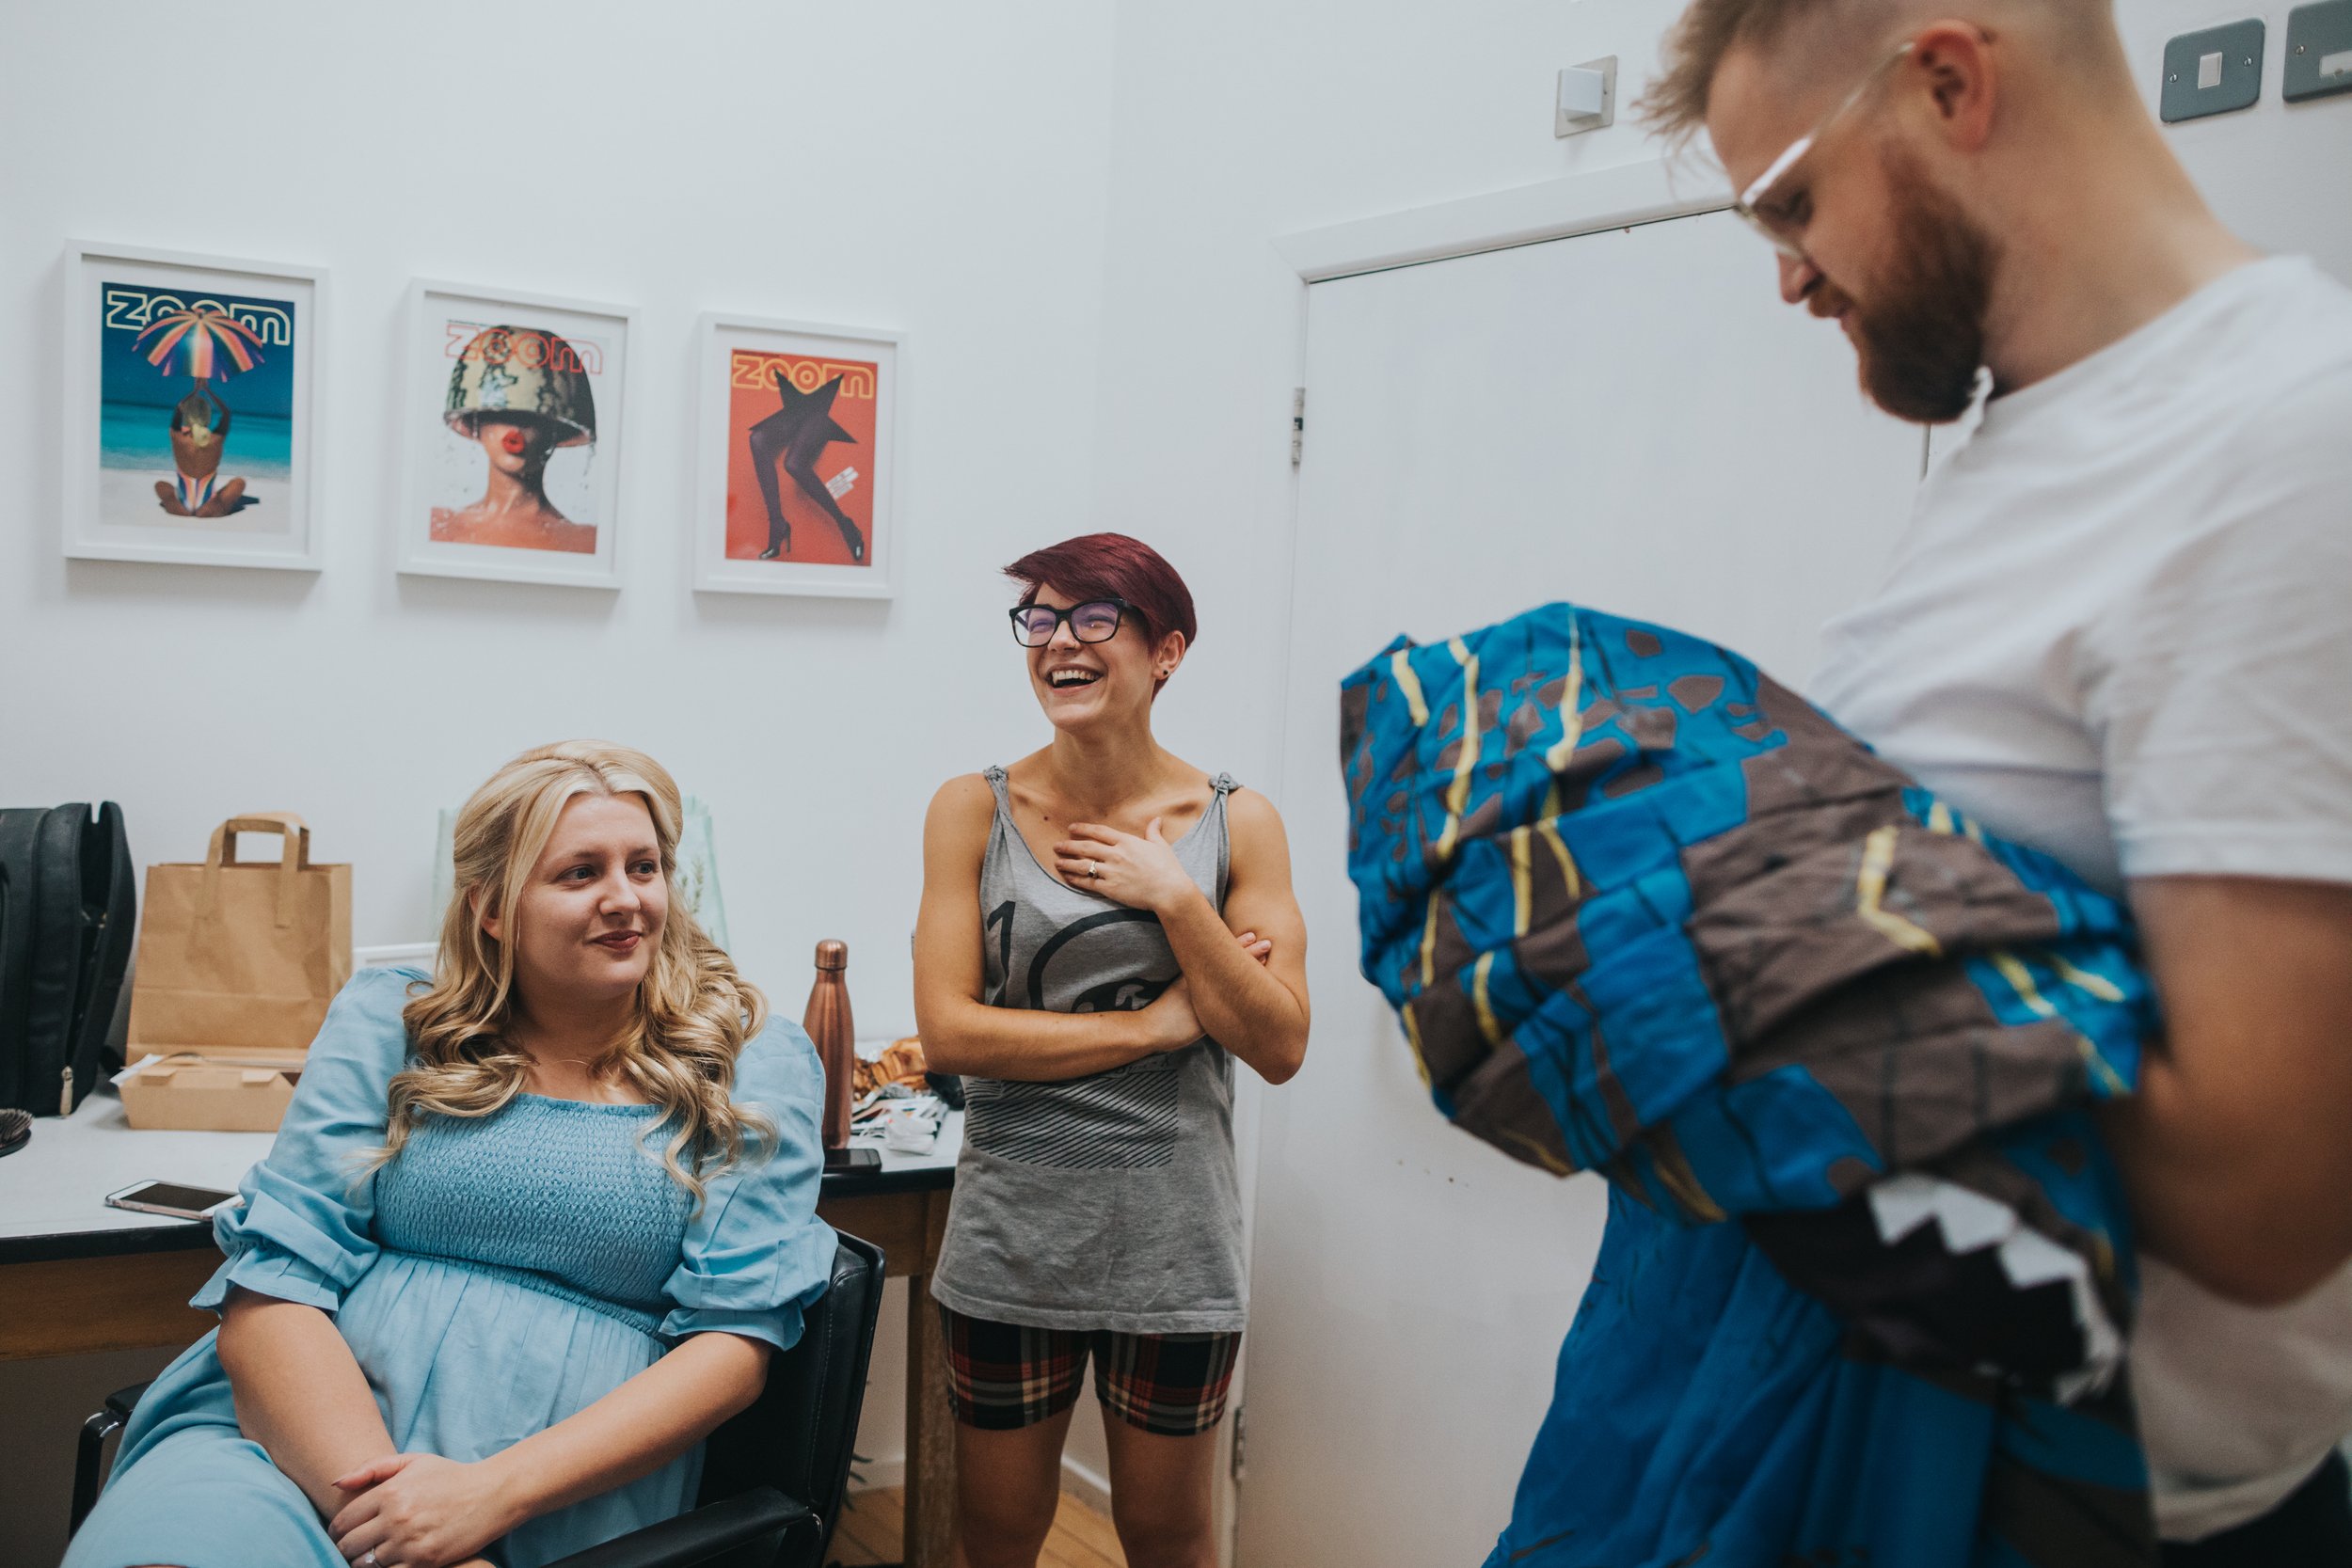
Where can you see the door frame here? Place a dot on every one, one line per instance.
(1621, 196)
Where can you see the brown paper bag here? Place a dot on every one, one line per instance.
(235, 954)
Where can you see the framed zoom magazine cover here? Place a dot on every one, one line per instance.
(191, 408)
(514, 418)
(796, 458)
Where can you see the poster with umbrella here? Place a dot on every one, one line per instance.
(189, 408)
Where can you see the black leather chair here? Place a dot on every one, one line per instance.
(773, 1477)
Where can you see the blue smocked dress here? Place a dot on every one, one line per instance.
(498, 1277)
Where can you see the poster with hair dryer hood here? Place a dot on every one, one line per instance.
(514, 420)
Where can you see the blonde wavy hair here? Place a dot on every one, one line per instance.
(694, 1011)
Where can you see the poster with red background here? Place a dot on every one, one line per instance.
(821, 406)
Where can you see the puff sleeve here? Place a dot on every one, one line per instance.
(305, 1231)
(756, 1253)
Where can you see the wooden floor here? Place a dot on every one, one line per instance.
(870, 1526)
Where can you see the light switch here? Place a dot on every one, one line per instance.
(2319, 50)
(2213, 71)
(1586, 98)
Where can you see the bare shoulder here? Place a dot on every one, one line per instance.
(962, 807)
(1254, 826)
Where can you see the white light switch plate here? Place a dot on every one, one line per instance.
(1564, 123)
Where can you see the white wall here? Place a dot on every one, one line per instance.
(932, 166)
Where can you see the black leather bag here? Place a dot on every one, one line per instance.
(67, 915)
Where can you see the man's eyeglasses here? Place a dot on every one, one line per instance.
(1096, 621)
(1781, 218)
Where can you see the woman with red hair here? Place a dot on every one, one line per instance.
(1105, 928)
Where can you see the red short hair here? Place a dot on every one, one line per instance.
(1112, 566)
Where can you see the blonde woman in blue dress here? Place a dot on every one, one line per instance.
(530, 1232)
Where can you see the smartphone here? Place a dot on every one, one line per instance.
(165, 1197)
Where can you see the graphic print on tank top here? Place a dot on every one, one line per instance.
(1050, 947)
(1123, 1119)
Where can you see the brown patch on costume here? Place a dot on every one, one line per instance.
(1527, 720)
(1638, 693)
(1849, 1174)
(1639, 777)
(1451, 952)
(1354, 713)
(1553, 952)
(1778, 921)
(1483, 820)
(1918, 1061)
(2069, 1155)
(1446, 1023)
(1652, 728)
(1500, 1103)
(1696, 691)
(1643, 644)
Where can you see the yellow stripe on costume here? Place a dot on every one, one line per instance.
(1544, 1157)
(1412, 1039)
(1571, 710)
(1407, 682)
(1878, 858)
(1548, 830)
(1429, 944)
(1522, 879)
(1488, 1025)
(1673, 1170)
(1457, 792)
(2082, 979)
(2021, 980)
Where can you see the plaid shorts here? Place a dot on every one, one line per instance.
(1005, 1377)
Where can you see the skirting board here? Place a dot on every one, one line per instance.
(1619, 198)
(881, 1475)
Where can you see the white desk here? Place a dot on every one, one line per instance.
(52, 1191)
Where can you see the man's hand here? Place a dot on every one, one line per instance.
(420, 1511)
(2238, 1147)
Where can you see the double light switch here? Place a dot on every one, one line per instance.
(2219, 69)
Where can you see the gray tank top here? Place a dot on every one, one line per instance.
(1107, 1202)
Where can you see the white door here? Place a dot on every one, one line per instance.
(1629, 419)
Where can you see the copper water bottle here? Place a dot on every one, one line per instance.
(827, 1022)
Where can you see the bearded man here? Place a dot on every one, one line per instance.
(2119, 629)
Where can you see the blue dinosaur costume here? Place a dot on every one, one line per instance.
(1862, 1298)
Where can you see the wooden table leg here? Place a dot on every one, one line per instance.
(930, 1477)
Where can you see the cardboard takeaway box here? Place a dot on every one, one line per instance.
(237, 963)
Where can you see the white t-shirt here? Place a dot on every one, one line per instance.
(2119, 628)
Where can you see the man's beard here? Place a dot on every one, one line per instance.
(1920, 335)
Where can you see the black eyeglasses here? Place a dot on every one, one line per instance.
(1096, 621)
